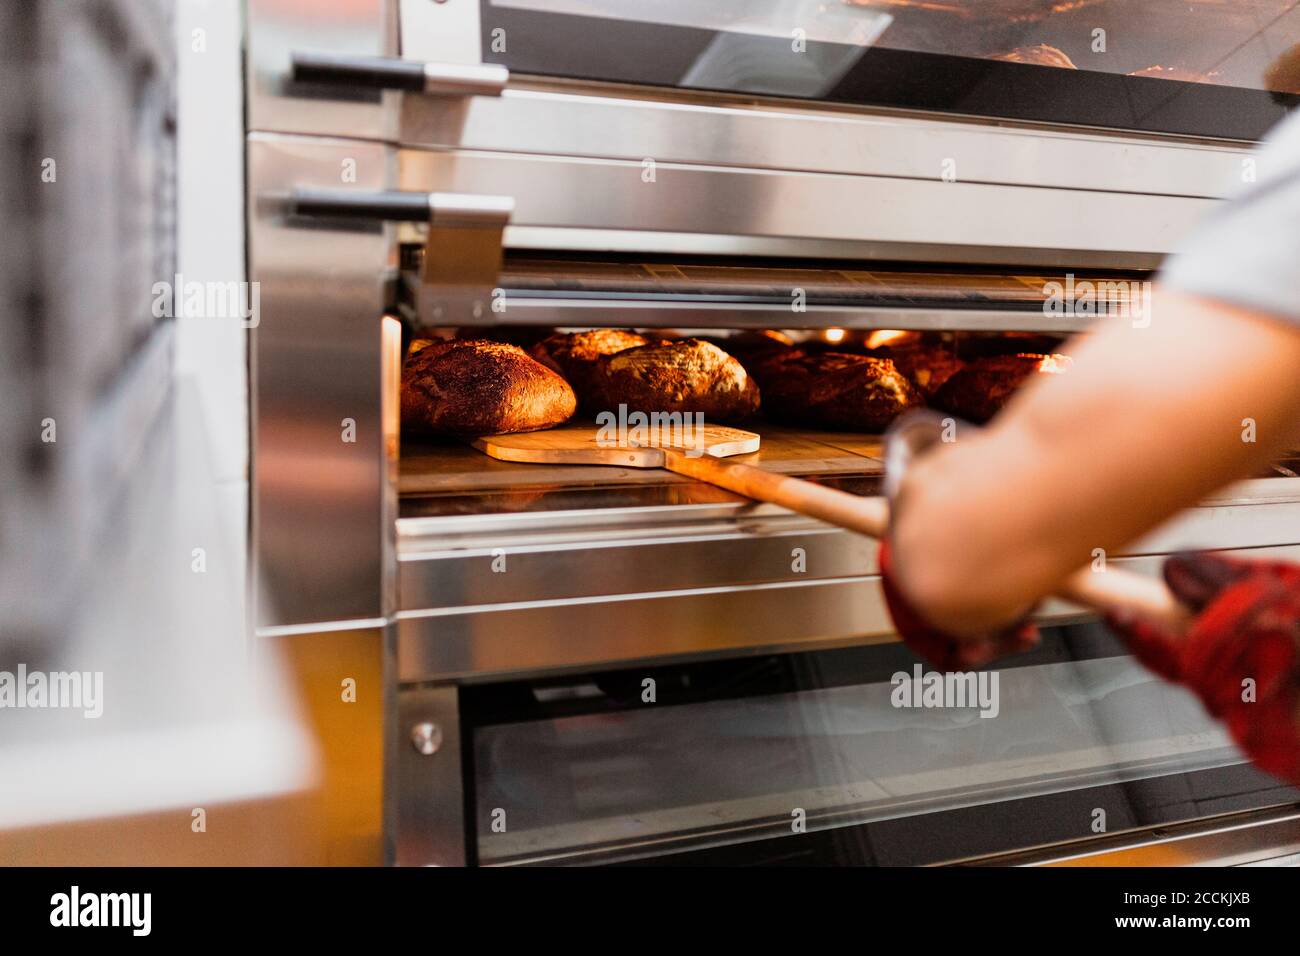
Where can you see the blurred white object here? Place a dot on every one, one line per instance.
(124, 540)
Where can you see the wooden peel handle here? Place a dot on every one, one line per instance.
(1111, 590)
(869, 516)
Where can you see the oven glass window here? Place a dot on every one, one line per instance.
(963, 57)
(1073, 740)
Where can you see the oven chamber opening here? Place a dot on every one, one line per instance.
(861, 309)
(879, 310)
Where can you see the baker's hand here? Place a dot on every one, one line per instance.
(1241, 655)
(908, 439)
(945, 651)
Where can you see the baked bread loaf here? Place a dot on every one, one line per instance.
(471, 387)
(980, 390)
(575, 354)
(926, 366)
(834, 390)
(1283, 74)
(681, 375)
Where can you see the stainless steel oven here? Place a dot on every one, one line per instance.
(507, 164)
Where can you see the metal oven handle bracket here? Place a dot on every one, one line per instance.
(462, 251)
(394, 73)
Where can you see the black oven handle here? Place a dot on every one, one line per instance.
(394, 73)
(394, 205)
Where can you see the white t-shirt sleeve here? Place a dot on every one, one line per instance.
(1247, 252)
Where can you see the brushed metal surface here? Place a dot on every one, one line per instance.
(430, 825)
(574, 192)
(498, 559)
(572, 634)
(321, 514)
(276, 29)
(573, 629)
(458, 79)
(523, 309)
(701, 130)
(642, 240)
(441, 31)
(464, 576)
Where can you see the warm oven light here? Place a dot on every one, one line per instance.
(833, 336)
(1055, 364)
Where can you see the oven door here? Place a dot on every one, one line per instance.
(854, 755)
(1206, 68)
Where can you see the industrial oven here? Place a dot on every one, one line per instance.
(596, 665)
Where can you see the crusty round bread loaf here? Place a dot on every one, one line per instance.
(980, 390)
(575, 354)
(926, 366)
(470, 387)
(834, 390)
(682, 375)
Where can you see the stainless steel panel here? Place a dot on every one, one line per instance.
(714, 244)
(321, 513)
(567, 633)
(460, 577)
(694, 129)
(277, 29)
(464, 561)
(573, 634)
(441, 31)
(887, 213)
(529, 310)
(430, 826)
(1230, 523)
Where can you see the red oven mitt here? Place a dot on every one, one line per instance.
(944, 651)
(1247, 625)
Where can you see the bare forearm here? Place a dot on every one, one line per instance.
(1146, 422)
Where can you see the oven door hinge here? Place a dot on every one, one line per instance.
(462, 251)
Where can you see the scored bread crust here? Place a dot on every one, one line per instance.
(678, 375)
(981, 389)
(834, 390)
(575, 354)
(471, 387)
